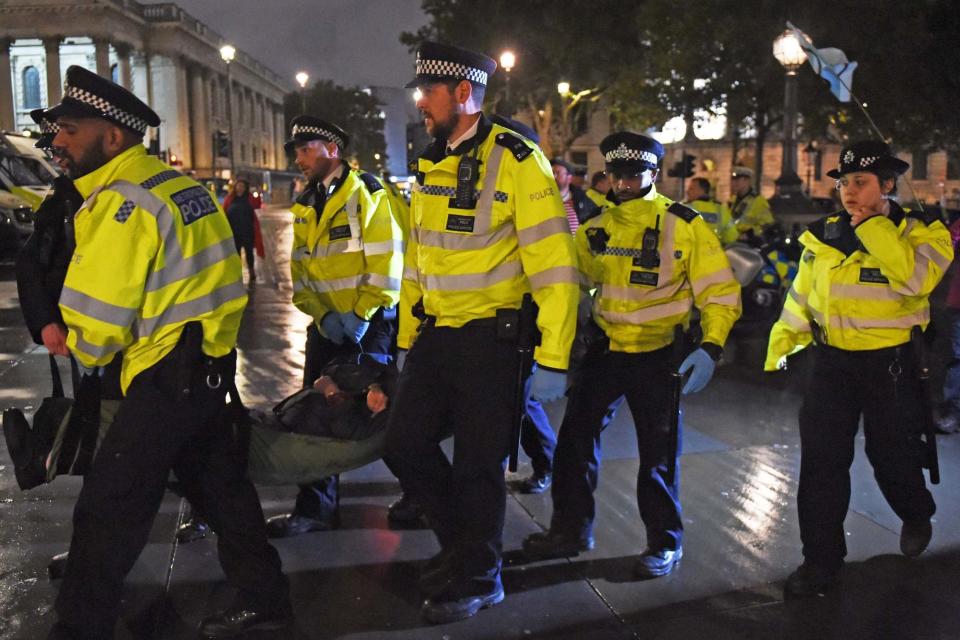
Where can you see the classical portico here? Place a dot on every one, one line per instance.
(162, 54)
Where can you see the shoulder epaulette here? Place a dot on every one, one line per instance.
(370, 180)
(307, 198)
(683, 212)
(927, 216)
(514, 145)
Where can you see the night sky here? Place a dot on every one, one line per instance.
(350, 42)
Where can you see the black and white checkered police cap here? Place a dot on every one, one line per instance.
(306, 128)
(629, 150)
(86, 94)
(437, 62)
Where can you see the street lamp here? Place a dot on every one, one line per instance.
(228, 53)
(302, 78)
(508, 60)
(810, 153)
(563, 88)
(787, 51)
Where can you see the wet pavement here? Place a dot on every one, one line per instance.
(740, 468)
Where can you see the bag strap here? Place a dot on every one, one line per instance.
(74, 374)
(55, 377)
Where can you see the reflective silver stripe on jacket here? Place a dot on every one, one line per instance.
(381, 281)
(96, 350)
(466, 282)
(332, 285)
(554, 275)
(649, 314)
(97, 309)
(380, 248)
(549, 227)
(484, 210)
(464, 241)
(192, 309)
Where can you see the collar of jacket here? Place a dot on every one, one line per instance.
(846, 241)
(437, 150)
(107, 173)
(635, 212)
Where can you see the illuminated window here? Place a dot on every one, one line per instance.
(31, 88)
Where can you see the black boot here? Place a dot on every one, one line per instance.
(552, 544)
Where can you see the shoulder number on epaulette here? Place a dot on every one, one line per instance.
(683, 212)
(373, 185)
(514, 145)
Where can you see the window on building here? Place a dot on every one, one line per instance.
(253, 154)
(918, 167)
(579, 158)
(243, 152)
(115, 73)
(31, 88)
(264, 156)
(953, 166)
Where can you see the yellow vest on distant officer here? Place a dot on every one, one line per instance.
(599, 199)
(467, 263)
(865, 287)
(350, 257)
(639, 307)
(154, 251)
(752, 211)
(717, 216)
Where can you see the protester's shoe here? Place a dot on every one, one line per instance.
(290, 524)
(57, 567)
(810, 580)
(458, 602)
(551, 544)
(193, 529)
(914, 537)
(238, 620)
(438, 571)
(28, 468)
(653, 564)
(536, 483)
(406, 510)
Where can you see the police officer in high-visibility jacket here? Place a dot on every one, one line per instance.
(750, 210)
(346, 265)
(651, 261)
(865, 277)
(155, 276)
(488, 227)
(714, 213)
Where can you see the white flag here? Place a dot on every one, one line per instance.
(830, 64)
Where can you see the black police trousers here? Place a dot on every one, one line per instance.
(602, 381)
(156, 430)
(321, 499)
(883, 387)
(459, 380)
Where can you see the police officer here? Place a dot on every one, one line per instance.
(599, 188)
(346, 266)
(154, 276)
(749, 210)
(714, 213)
(488, 228)
(652, 261)
(865, 277)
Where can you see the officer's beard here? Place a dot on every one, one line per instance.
(93, 158)
(443, 130)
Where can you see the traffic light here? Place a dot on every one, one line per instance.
(684, 168)
(221, 143)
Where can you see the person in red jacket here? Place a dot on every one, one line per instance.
(241, 206)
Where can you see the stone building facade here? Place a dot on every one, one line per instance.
(165, 56)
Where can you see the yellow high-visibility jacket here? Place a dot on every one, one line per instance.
(866, 287)
(752, 211)
(350, 257)
(717, 215)
(639, 307)
(399, 207)
(599, 199)
(154, 251)
(467, 263)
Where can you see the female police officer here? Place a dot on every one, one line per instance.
(863, 284)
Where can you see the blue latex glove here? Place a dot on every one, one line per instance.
(702, 365)
(353, 326)
(401, 358)
(332, 327)
(548, 385)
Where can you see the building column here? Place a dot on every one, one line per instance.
(126, 71)
(199, 118)
(51, 48)
(7, 112)
(102, 56)
(280, 127)
(271, 134)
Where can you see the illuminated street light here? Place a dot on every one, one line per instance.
(302, 78)
(228, 53)
(563, 88)
(507, 61)
(787, 51)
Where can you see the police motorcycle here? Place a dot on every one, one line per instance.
(765, 267)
